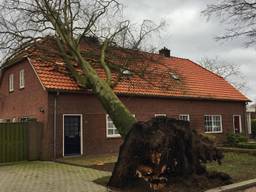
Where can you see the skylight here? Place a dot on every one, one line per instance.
(126, 72)
(174, 76)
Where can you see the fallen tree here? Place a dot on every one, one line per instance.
(161, 149)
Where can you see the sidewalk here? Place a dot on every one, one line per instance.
(49, 177)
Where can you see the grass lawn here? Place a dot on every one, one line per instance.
(240, 166)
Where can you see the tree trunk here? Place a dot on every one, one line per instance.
(120, 115)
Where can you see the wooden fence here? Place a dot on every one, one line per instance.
(18, 141)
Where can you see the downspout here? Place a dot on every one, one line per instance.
(55, 125)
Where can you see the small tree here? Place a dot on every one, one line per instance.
(24, 23)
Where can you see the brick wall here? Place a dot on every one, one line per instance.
(94, 117)
(31, 101)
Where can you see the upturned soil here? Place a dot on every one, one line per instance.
(192, 184)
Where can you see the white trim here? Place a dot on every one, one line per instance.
(21, 78)
(11, 82)
(36, 73)
(160, 115)
(113, 135)
(187, 115)
(221, 129)
(81, 133)
(249, 123)
(240, 123)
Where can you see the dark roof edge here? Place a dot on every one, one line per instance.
(149, 96)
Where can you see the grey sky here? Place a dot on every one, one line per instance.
(188, 34)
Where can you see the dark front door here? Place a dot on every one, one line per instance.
(237, 123)
(72, 135)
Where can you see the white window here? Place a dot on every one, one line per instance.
(112, 131)
(11, 87)
(160, 115)
(184, 117)
(22, 79)
(111, 128)
(213, 123)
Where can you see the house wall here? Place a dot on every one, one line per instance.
(26, 102)
(94, 117)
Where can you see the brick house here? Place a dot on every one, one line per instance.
(75, 122)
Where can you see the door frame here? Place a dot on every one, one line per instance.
(240, 123)
(81, 132)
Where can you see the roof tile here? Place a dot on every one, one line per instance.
(193, 80)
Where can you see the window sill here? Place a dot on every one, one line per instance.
(213, 132)
(22, 88)
(113, 136)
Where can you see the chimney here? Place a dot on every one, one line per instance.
(165, 52)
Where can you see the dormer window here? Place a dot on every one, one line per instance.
(22, 79)
(11, 86)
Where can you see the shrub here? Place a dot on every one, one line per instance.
(254, 128)
(233, 139)
(210, 137)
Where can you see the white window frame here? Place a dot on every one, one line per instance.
(11, 82)
(240, 123)
(22, 78)
(160, 115)
(221, 130)
(107, 128)
(81, 133)
(184, 115)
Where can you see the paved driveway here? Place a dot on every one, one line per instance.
(49, 177)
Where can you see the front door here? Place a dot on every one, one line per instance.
(237, 123)
(72, 134)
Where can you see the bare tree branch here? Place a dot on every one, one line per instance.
(240, 17)
(230, 72)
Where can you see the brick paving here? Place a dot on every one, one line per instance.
(49, 177)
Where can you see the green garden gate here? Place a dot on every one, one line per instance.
(20, 141)
(13, 142)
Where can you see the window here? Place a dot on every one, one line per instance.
(22, 79)
(111, 128)
(213, 123)
(184, 117)
(160, 115)
(11, 88)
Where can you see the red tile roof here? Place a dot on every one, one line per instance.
(166, 77)
(193, 81)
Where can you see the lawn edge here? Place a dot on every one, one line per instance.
(235, 186)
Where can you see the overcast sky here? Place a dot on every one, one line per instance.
(188, 34)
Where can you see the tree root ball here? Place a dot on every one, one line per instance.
(160, 150)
